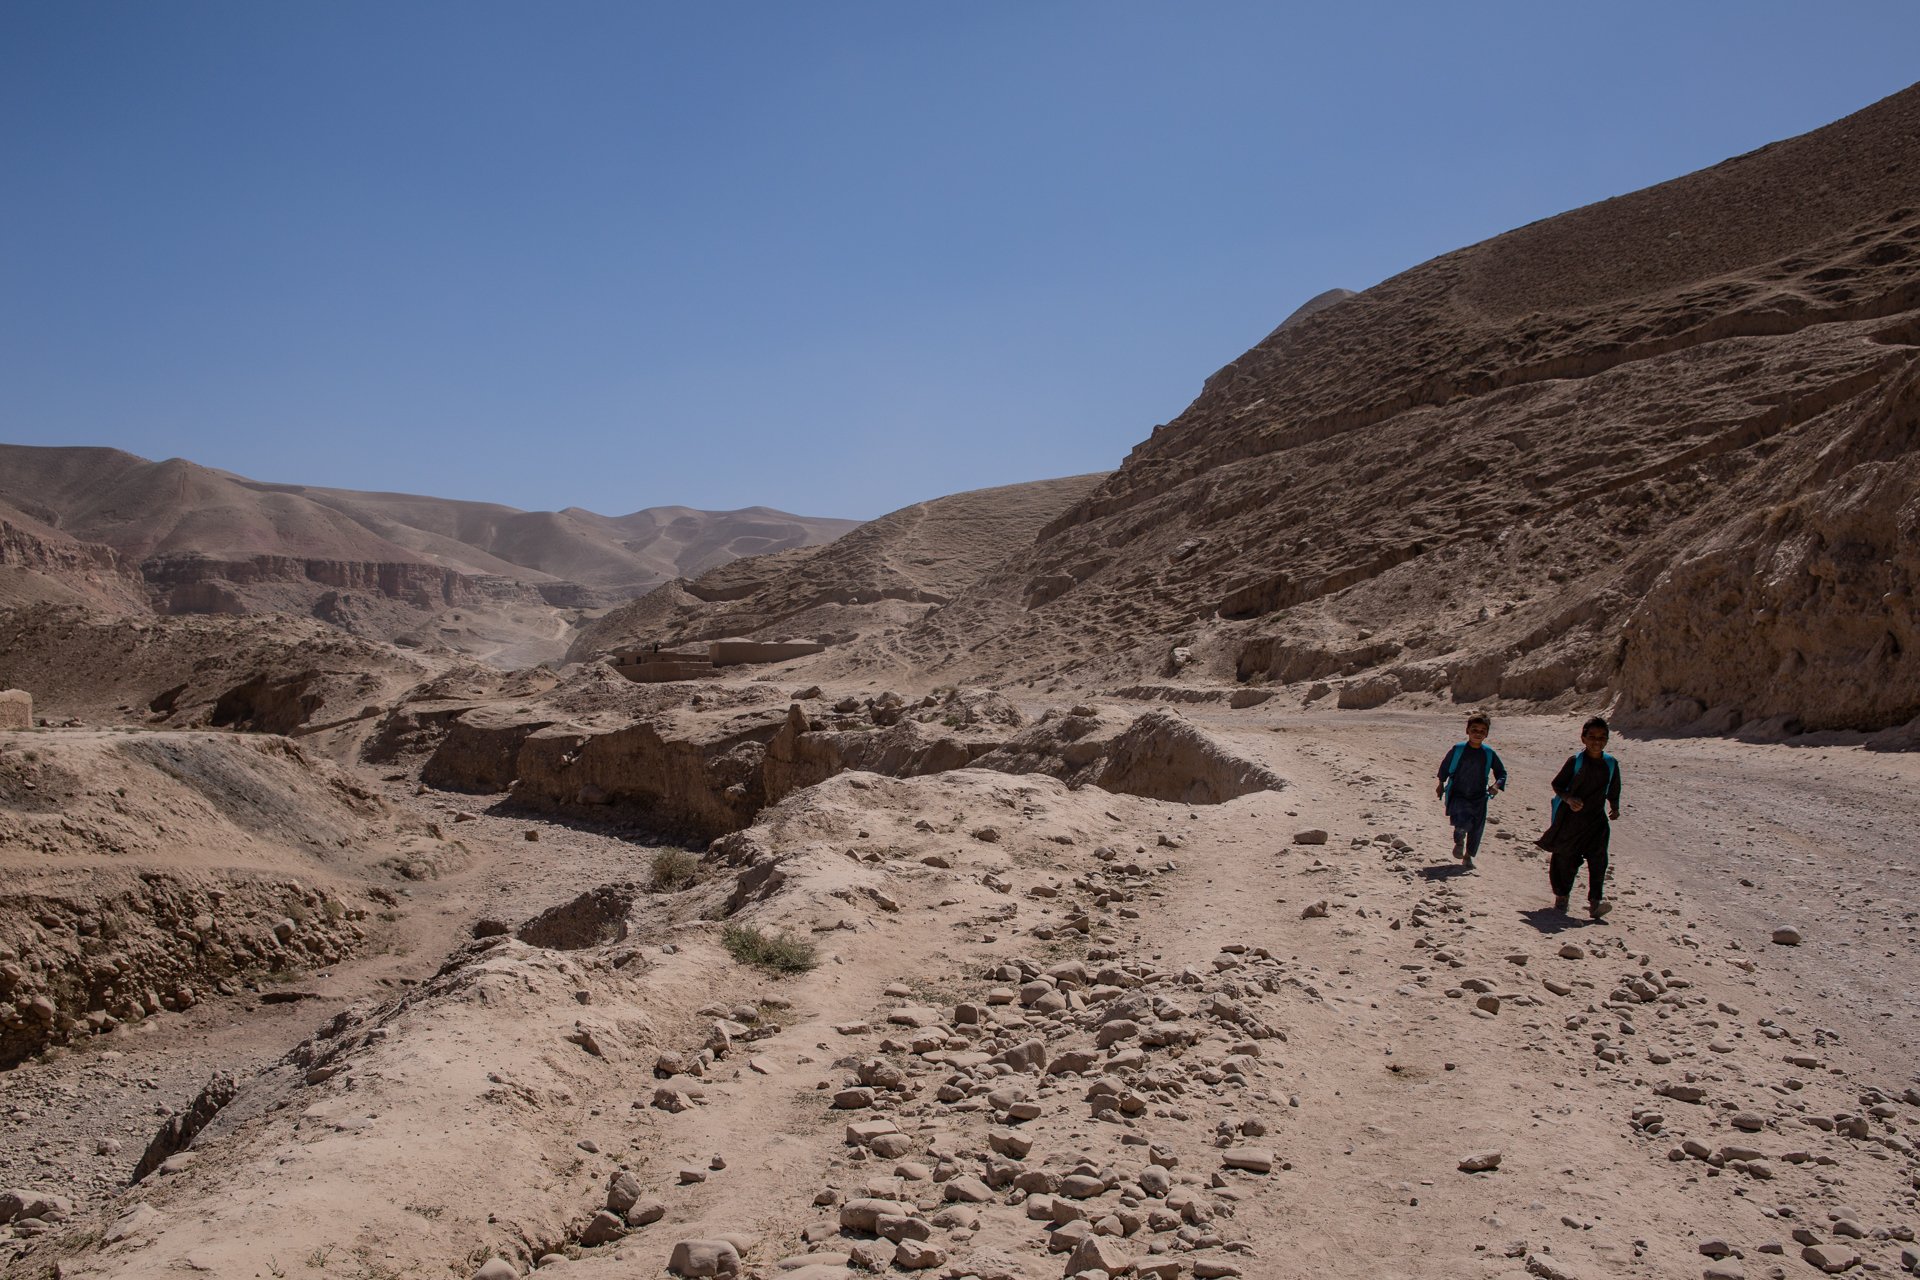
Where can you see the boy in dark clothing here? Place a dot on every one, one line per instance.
(1586, 795)
(1470, 774)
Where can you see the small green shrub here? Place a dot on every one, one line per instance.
(782, 954)
(674, 868)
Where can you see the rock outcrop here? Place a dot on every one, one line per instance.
(688, 768)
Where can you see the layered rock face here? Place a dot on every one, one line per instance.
(39, 564)
(1660, 447)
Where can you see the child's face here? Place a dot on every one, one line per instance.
(1476, 734)
(1595, 740)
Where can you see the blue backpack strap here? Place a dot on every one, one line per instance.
(1553, 811)
(1496, 767)
(1453, 763)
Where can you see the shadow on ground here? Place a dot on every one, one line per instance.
(1443, 871)
(1549, 921)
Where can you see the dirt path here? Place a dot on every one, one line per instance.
(1317, 1034)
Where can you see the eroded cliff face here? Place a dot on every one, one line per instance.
(1522, 470)
(1803, 613)
(703, 785)
(39, 565)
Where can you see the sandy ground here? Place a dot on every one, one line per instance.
(1390, 1071)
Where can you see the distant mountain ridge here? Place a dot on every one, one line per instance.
(149, 510)
(113, 532)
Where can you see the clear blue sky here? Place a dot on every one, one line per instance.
(832, 257)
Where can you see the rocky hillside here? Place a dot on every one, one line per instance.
(883, 575)
(1661, 447)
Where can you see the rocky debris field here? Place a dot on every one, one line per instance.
(1054, 1030)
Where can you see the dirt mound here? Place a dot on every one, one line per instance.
(1163, 757)
(1631, 450)
(144, 869)
(882, 575)
(593, 919)
(1158, 755)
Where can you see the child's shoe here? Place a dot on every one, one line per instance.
(1467, 862)
(1459, 846)
(1560, 904)
(1598, 909)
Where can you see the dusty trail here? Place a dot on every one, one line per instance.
(1414, 1016)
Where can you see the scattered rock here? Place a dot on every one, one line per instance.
(704, 1258)
(605, 1228)
(1830, 1258)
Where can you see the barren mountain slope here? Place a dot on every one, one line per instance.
(487, 580)
(177, 508)
(617, 555)
(883, 573)
(1662, 445)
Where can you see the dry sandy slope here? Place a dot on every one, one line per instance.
(142, 869)
(471, 1101)
(879, 577)
(1661, 445)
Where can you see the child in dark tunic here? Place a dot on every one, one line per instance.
(1586, 794)
(1469, 774)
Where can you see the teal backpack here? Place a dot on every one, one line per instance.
(1453, 762)
(1613, 776)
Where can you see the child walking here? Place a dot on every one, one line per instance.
(1469, 774)
(1586, 795)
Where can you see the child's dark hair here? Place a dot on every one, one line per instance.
(1480, 718)
(1598, 722)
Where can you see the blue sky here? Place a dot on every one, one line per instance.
(831, 257)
